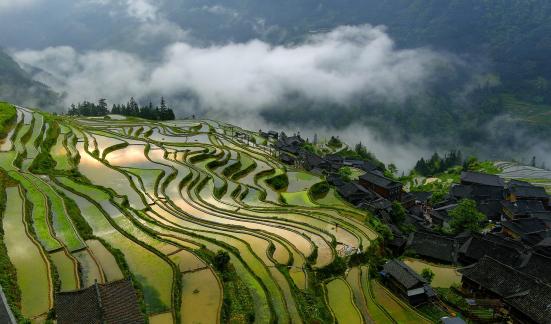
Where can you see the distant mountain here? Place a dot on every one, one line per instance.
(18, 87)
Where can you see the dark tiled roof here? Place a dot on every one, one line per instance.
(487, 193)
(482, 179)
(523, 207)
(518, 183)
(120, 304)
(433, 246)
(6, 315)
(335, 158)
(380, 204)
(286, 158)
(525, 225)
(335, 180)
(544, 215)
(497, 247)
(403, 274)
(537, 265)
(313, 160)
(422, 196)
(118, 300)
(351, 189)
(379, 180)
(461, 191)
(523, 292)
(529, 192)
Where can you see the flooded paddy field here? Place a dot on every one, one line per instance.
(158, 203)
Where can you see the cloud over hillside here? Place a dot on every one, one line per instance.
(338, 66)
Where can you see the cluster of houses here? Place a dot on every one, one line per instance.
(506, 267)
(371, 191)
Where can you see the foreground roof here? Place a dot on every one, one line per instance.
(505, 250)
(525, 293)
(433, 246)
(403, 274)
(6, 316)
(115, 302)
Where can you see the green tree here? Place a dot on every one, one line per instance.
(345, 173)
(398, 213)
(466, 217)
(221, 261)
(427, 274)
(392, 168)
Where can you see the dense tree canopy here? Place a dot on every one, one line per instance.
(131, 108)
(437, 164)
(466, 217)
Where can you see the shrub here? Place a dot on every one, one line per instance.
(221, 261)
(427, 274)
(278, 182)
(8, 115)
(319, 190)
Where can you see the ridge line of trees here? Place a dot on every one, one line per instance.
(131, 108)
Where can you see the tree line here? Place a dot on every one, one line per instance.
(131, 108)
(437, 164)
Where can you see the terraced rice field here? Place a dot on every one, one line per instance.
(534, 175)
(158, 203)
(341, 302)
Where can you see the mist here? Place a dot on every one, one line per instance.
(339, 66)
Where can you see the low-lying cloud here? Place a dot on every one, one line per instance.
(340, 66)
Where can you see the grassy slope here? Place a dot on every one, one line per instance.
(8, 115)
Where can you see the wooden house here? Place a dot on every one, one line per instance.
(385, 187)
(401, 279)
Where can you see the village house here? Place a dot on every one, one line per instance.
(433, 247)
(526, 298)
(530, 231)
(500, 248)
(115, 302)
(481, 179)
(407, 283)
(521, 208)
(354, 193)
(521, 190)
(312, 161)
(421, 197)
(385, 187)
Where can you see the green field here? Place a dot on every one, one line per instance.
(155, 202)
(33, 274)
(341, 302)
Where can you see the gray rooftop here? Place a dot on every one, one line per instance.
(6, 316)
